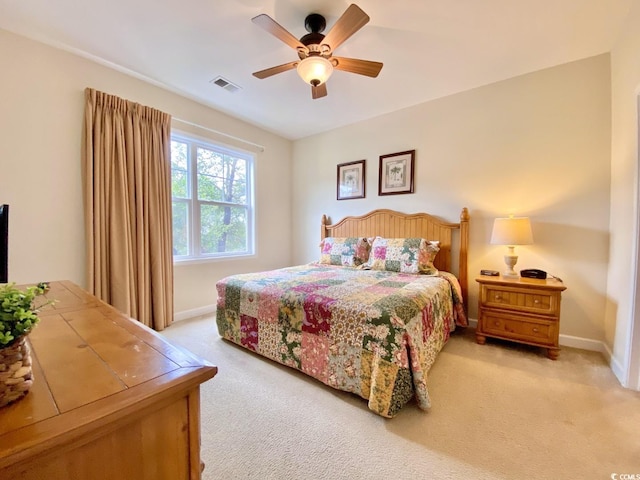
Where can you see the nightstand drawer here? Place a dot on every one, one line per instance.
(527, 329)
(524, 310)
(534, 301)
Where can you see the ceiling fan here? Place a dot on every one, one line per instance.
(315, 50)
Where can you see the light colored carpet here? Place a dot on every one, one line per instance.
(499, 411)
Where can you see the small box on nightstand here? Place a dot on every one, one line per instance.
(489, 273)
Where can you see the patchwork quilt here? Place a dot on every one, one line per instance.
(370, 332)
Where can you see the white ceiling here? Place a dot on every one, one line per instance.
(430, 48)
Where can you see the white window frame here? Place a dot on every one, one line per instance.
(194, 204)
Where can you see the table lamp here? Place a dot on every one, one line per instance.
(511, 231)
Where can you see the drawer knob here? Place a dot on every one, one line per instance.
(498, 297)
(536, 302)
(535, 330)
(497, 324)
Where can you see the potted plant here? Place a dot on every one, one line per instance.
(18, 316)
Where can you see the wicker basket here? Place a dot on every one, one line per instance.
(16, 376)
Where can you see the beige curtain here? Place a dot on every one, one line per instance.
(127, 189)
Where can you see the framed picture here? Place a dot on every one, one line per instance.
(396, 173)
(351, 180)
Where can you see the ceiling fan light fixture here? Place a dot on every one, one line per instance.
(315, 50)
(315, 70)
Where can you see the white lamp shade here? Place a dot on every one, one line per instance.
(315, 70)
(512, 231)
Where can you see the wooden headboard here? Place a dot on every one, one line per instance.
(392, 224)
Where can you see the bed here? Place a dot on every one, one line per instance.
(370, 326)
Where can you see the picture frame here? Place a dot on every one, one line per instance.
(396, 173)
(351, 180)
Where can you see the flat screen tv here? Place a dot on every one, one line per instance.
(4, 243)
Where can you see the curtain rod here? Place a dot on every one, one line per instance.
(217, 132)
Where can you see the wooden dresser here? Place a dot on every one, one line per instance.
(524, 310)
(111, 399)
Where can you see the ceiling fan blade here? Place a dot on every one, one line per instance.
(352, 20)
(361, 67)
(274, 70)
(319, 91)
(277, 30)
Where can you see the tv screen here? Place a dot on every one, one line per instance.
(4, 243)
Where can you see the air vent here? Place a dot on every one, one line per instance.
(226, 84)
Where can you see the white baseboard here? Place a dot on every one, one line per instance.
(615, 365)
(195, 312)
(571, 341)
(583, 343)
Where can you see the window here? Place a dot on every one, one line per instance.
(212, 202)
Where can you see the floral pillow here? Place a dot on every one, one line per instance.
(348, 252)
(406, 255)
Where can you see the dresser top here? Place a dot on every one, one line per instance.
(548, 284)
(90, 361)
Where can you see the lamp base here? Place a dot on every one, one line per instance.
(510, 260)
(509, 274)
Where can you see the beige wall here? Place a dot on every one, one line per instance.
(535, 145)
(41, 115)
(625, 86)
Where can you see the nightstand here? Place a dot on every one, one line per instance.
(523, 310)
